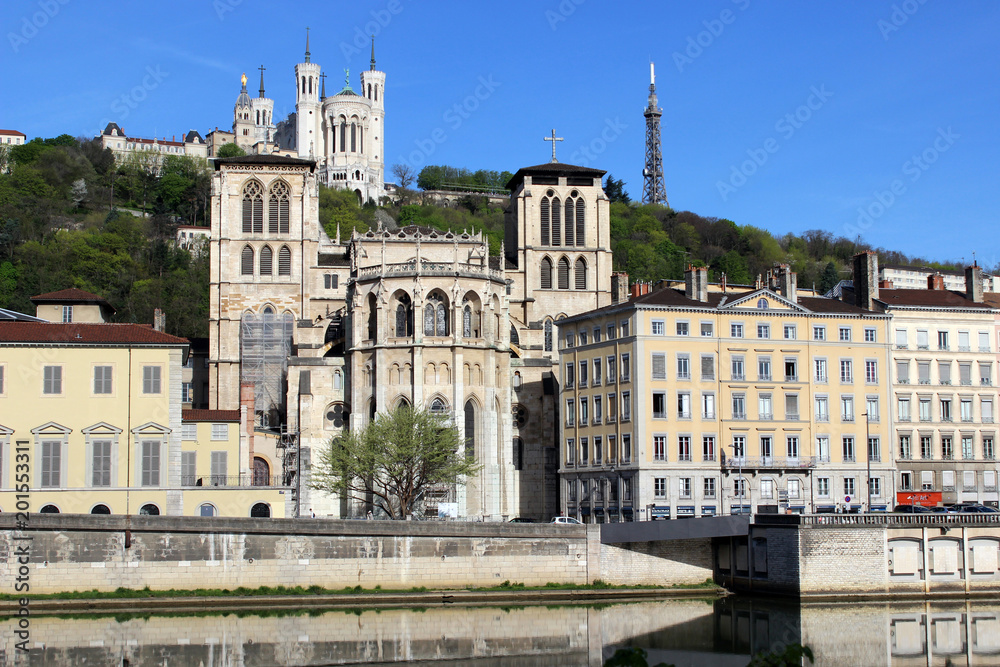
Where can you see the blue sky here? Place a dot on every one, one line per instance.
(869, 117)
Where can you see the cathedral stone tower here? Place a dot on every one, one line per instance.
(307, 105)
(243, 125)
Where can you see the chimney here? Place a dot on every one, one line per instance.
(974, 283)
(696, 283)
(885, 284)
(722, 279)
(865, 279)
(159, 320)
(935, 281)
(247, 416)
(619, 287)
(787, 283)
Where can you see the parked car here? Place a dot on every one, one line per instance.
(971, 509)
(565, 520)
(945, 509)
(912, 509)
(522, 519)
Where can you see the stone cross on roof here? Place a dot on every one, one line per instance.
(553, 139)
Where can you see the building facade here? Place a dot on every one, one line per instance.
(698, 402)
(332, 331)
(151, 151)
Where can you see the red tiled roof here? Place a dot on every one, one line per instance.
(71, 294)
(927, 298)
(210, 415)
(84, 334)
(13, 133)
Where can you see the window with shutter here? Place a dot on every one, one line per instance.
(581, 232)
(545, 224)
(246, 261)
(563, 273)
(580, 273)
(266, 258)
(568, 223)
(708, 368)
(277, 222)
(253, 208)
(546, 281)
(659, 366)
(285, 262)
(556, 222)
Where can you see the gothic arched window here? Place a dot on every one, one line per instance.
(404, 317)
(470, 429)
(545, 209)
(546, 282)
(284, 261)
(435, 316)
(343, 135)
(568, 235)
(563, 273)
(438, 407)
(277, 215)
(467, 321)
(246, 261)
(580, 273)
(253, 208)
(581, 229)
(266, 257)
(556, 226)
(514, 338)
(548, 335)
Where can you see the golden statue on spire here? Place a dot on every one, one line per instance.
(243, 79)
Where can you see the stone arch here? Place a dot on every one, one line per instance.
(444, 373)
(253, 207)
(402, 310)
(472, 315)
(278, 206)
(430, 373)
(435, 315)
(545, 268)
(335, 416)
(580, 273)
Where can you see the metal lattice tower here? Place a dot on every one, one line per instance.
(653, 191)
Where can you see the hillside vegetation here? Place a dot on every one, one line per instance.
(71, 217)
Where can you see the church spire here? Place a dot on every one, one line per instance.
(322, 92)
(261, 68)
(307, 45)
(373, 53)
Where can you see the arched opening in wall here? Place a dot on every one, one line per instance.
(284, 261)
(149, 509)
(546, 274)
(439, 407)
(354, 137)
(518, 454)
(361, 199)
(580, 273)
(514, 338)
(556, 222)
(517, 381)
(207, 509)
(253, 207)
(436, 315)
(277, 214)
(266, 259)
(371, 410)
(470, 429)
(404, 316)
(335, 416)
(568, 230)
(372, 318)
(547, 327)
(100, 509)
(563, 273)
(49, 509)
(581, 228)
(334, 337)
(472, 316)
(260, 511)
(246, 261)
(261, 472)
(545, 213)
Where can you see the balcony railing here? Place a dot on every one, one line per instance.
(233, 480)
(770, 462)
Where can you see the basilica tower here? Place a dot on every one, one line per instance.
(307, 105)
(243, 129)
(373, 87)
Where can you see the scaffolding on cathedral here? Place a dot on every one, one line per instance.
(291, 464)
(266, 343)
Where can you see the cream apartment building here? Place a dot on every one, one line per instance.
(699, 402)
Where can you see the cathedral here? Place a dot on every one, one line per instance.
(342, 133)
(328, 332)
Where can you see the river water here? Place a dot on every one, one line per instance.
(719, 632)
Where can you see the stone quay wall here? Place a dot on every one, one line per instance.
(85, 552)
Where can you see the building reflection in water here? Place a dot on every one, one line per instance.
(682, 632)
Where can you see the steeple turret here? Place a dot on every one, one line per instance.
(372, 68)
(307, 45)
(261, 68)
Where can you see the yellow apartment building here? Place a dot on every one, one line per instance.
(91, 422)
(705, 400)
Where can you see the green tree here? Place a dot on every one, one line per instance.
(394, 459)
(231, 150)
(829, 279)
(615, 190)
